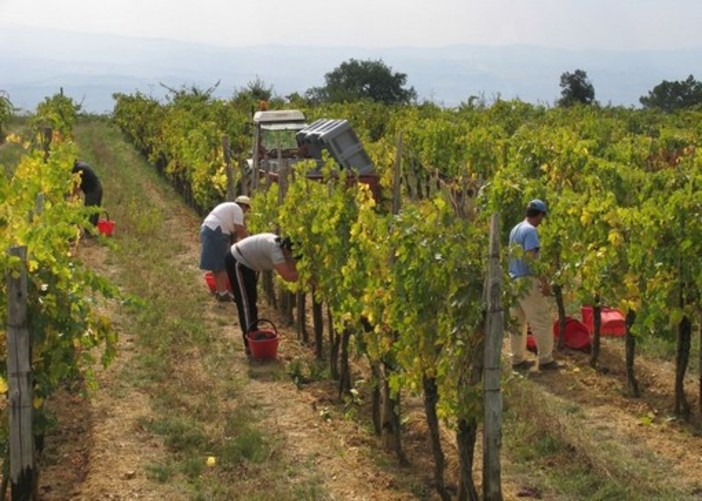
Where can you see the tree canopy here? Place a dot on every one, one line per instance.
(576, 88)
(354, 80)
(5, 110)
(255, 91)
(671, 96)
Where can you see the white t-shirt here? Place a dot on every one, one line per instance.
(259, 252)
(225, 215)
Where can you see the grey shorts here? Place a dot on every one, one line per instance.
(215, 246)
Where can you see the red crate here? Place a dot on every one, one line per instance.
(613, 322)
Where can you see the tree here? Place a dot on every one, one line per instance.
(670, 96)
(192, 94)
(256, 90)
(354, 80)
(6, 109)
(257, 95)
(576, 89)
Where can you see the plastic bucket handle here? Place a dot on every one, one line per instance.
(254, 325)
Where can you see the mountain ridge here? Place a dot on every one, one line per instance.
(35, 63)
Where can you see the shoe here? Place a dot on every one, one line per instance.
(523, 365)
(551, 366)
(226, 297)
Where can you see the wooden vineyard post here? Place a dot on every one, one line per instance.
(47, 134)
(38, 205)
(682, 359)
(300, 300)
(334, 341)
(318, 323)
(630, 354)
(699, 364)
(20, 390)
(256, 161)
(344, 367)
(390, 405)
(558, 296)
(286, 297)
(231, 189)
(397, 177)
(245, 181)
(492, 432)
(597, 324)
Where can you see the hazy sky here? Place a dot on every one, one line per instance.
(609, 24)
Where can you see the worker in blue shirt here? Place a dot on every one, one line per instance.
(532, 309)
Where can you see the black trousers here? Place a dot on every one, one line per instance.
(244, 282)
(94, 199)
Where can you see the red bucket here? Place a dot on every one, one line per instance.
(106, 226)
(263, 343)
(577, 335)
(212, 283)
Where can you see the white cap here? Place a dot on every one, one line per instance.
(243, 200)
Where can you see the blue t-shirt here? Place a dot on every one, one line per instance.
(526, 236)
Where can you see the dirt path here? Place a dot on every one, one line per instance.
(99, 450)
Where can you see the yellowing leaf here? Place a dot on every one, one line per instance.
(614, 238)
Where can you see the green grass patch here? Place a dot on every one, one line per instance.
(243, 440)
(192, 467)
(180, 434)
(563, 455)
(551, 464)
(303, 371)
(160, 473)
(249, 445)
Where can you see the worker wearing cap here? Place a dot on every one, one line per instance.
(532, 309)
(223, 226)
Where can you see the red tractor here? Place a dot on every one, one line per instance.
(282, 138)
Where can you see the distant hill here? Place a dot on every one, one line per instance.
(90, 68)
